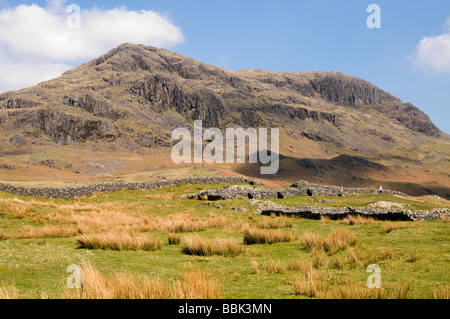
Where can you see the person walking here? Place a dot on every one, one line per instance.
(380, 190)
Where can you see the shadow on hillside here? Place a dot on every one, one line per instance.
(346, 170)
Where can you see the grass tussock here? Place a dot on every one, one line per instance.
(256, 236)
(173, 238)
(271, 266)
(254, 265)
(445, 218)
(413, 256)
(274, 222)
(9, 292)
(337, 263)
(392, 226)
(357, 220)
(194, 284)
(325, 219)
(442, 292)
(119, 241)
(196, 245)
(349, 290)
(310, 284)
(336, 241)
(47, 231)
(302, 265)
(162, 197)
(18, 208)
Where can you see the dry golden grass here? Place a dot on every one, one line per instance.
(401, 291)
(119, 241)
(348, 290)
(194, 284)
(319, 259)
(336, 241)
(325, 219)
(413, 256)
(185, 225)
(47, 231)
(272, 267)
(106, 217)
(313, 242)
(196, 245)
(3, 235)
(339, 239)
(163, 197)
(442, 292)
(254, 265)
(391, 226)
(355, 257)
(386, 253)
(9, 292)
(274, 222)
(18, 208)
(173, 238)
(445, 218)
(337, 263)
(255, 236)
(121, 286)
(357, 220)
(302, 265)
(53, 218)
(311, 285)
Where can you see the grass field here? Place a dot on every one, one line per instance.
(158, 244)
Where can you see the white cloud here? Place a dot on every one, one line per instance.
(433, 53)
(24, 73)
(36, 43)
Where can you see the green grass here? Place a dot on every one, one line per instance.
(36, 265)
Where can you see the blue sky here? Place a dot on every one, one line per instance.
(297, 36)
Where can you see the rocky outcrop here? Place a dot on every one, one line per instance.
(414, 119)
(79, 191)
(348, 91)
(18, 141)
(65, 128)
(16, 103)
(96, 106)
(301, 113)
(198, 105)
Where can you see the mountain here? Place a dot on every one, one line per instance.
(115, 114)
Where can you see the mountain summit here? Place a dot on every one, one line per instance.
(130, 99)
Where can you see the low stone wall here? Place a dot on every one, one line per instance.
(79, 191)
(240, 191)
(335, 213)
(237, 191)
(318, 190)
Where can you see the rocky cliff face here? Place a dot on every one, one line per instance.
(139, 93)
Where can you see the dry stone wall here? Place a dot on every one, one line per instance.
(335, 213)
(85, 190)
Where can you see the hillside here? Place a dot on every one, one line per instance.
(111, 119)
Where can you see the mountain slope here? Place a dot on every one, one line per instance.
(130, 99)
